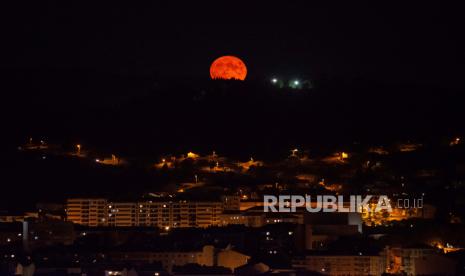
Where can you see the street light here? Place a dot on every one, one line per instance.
(274, 80)
(78, 146)
(294, 83)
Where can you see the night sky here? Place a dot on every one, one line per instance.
(413, 43)
(63, 63)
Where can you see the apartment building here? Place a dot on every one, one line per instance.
(342, 265)
(89, 212)
(163, 214)
(207, 256)
(123, 214)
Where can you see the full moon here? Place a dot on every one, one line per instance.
(228, 68)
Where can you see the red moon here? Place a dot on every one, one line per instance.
(228, 68)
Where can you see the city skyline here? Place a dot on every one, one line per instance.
(288, 138)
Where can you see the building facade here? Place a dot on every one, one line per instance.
(356, 265)
(164, 214)
(208, 256)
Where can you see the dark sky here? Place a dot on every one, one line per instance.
(407, 42)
